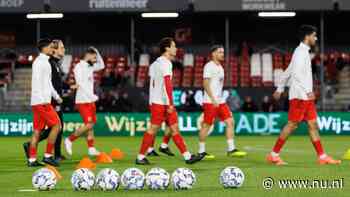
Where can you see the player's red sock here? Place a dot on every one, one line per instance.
(180, 143)
(166, 139)
(318, 147)
(278, 146)
(32, 152)
(72, 137)
(146, 143)
(49, 148)
(153, 141)
(90, 143)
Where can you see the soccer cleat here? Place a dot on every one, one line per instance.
(68, 146)
(347, 155)
(26, 149)
(193, 159)
(275, 160)
(60, 158)
(153, 153)
(206, 156)
(34, 164)
(328, 160)
(236, 153)
(166, 151)
(143, 161)
(51, 161)
(93, 152)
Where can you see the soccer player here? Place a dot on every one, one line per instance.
(57, 82)
(164, 148)
(301, 98)
(162, 108)
(85, 98)
(43, 112)
(214, 105)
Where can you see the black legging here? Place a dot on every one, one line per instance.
(45, 134)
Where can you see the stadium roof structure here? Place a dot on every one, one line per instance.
(135, 6)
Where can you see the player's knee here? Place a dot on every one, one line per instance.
(292, 125)
(229, 123)
(90, 126)
(206, 126)
(313, 126)
(153, 129)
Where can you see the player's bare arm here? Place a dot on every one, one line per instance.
(206, 86)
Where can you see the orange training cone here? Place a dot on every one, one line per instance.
(103, 158)
(86, 163)
(117, 154)
(55, 171)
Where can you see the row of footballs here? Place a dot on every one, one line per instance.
(133, 179)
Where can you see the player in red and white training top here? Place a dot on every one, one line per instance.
(162, 107)
(164, 146)
(214, 104)
(44, 115)
(85, 98)
(301, 98)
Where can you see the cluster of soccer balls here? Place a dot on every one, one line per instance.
(134, 179)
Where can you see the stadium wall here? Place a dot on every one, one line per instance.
(134, 124)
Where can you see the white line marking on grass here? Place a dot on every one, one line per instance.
(27, 190)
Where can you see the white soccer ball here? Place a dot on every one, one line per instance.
(231, 177)
(107, 180)
(183, 178)
(82, 179)
(44, 179)
(133, 179)
(157, 179)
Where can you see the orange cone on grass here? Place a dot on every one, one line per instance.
(103, 158)
(117, 154)
(86, 163)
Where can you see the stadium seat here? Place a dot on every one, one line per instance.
(267, 70)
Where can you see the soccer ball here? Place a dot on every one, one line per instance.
(133, 179)
(183, 178)
(82, 179)
(231, 177)
(44, 179)
(157, 179)
(107, 180)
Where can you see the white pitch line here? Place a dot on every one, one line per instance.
(27, 190)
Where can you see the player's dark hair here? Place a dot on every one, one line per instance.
(306, 30)
(90, 50)
(56, 43)
(165, 43)
(215, 47)
(42, 43)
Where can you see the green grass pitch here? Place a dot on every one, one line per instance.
(298, 152)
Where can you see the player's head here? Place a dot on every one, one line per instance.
(217, 53)
(45, 46)
(90, 56)
(167, 46)
(308, 34)
(58, 48)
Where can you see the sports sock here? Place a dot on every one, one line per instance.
(230, 145)
(90, 143)
(318, 147)
(180, 143)
(201, 147)
(49, 149)
(72, 137)
(146, 143)
(278, 146)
